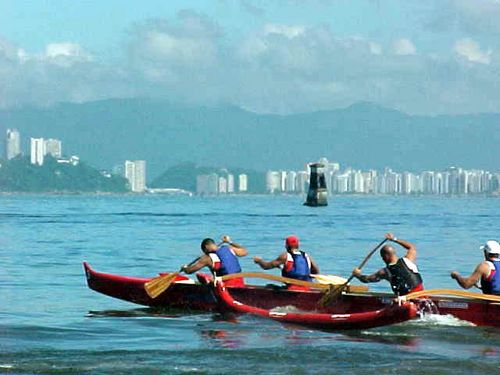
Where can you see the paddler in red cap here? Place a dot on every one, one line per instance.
(294, 263)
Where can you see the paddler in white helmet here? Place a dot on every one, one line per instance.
(488, 271)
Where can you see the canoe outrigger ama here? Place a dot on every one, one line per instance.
(352, 310)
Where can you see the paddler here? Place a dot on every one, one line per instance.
(294, 263)
(402, 273)
(221, 259)
(488, 271)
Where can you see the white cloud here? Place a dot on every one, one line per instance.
(276, 68)
(404, 46)
(288, 31)
(65, 54)
(470, 50)
(67, 49)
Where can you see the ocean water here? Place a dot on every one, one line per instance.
(51, 323)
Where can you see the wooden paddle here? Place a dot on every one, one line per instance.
(450, 292)
(287, 280)
(335, 291)
(159, 284)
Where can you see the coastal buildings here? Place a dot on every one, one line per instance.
(135, 173)
(452, 181)
(37, 151)
(242, 183)
(12, 144)
(40, 147)
(221, 183)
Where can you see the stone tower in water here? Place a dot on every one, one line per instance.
(317, 194)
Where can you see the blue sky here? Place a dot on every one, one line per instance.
(268, 56)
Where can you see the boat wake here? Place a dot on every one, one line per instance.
(440, 320)
(286, 309)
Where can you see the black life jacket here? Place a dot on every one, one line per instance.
(402, 278)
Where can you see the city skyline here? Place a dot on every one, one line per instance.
(451, 181)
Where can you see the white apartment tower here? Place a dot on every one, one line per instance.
(230, 183)
(37, 150)
(12, 144)
(242, 183)
(135, 173)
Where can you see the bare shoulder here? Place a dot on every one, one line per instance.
(484, 266)
(283, 255)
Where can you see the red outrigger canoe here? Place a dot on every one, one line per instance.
(325, 318)
(351, 311)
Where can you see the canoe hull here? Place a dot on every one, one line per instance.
(333, 318)
(191, 295)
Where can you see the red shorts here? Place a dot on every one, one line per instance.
(235, 283)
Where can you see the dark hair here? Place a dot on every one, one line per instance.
(205, 242)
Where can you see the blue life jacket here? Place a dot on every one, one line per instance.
(492, 285)
(225, 262)
(297, 266)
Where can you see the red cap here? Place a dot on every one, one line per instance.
(292, 241)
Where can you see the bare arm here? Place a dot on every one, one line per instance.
(381, 274)
(238, 249)
(411, 250)
(314, 266)
(468, 282)
(204, 261)
(271, 264)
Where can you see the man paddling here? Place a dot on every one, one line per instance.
(221, 259)
(402, 273)
(295, 263)
(488, 271)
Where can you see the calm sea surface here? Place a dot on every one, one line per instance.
(51, 323)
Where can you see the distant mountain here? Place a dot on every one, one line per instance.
(363, 135)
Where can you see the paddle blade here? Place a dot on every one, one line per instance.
(159, 284)
(329, 279)
(332, 294)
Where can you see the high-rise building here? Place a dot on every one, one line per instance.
(222, 185)
(12, 144)
(37, 150)
(135, 173)
(357, 184)
(282, 180)
(290, 182)
(242, 183)
(273, 182)
(53, 147)
(342, 183)
(302, 184)
(230, 183)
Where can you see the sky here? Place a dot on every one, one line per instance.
(281, 56)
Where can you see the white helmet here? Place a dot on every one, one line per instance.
(491, 247)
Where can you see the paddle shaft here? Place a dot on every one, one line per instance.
(367, 258)
(450, 292)
(335, 291)
(190, 264)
